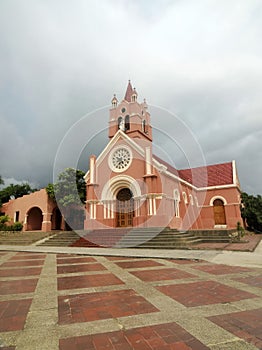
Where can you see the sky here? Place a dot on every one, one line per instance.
(197, 63)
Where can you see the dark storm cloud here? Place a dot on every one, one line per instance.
(201, 60)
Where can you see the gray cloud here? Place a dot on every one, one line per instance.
(201, 60)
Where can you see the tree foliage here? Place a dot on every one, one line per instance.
(15, 191)
(1, 181)
(251, 211)
(70, 189)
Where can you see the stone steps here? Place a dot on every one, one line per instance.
(151, 238)
(61, 239)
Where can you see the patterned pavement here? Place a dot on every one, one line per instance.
(73, 302)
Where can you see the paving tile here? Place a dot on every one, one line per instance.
(168, 336)
(161, 274)
(29, 271)
(216, 269)
(138, 264)
(101, 305)
(75, 260)
(116, 258)
(246, 325)
(186, 261)
(80, 268)
(18, 286)
(13, 314)
(28, 256)
(23, 263)
(203, 293)
(255, 281)
(73, 282)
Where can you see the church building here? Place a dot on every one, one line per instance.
(129, 186)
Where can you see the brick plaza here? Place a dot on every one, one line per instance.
(75, 302)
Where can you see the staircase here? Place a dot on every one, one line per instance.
(147, 238)
(155, 237)
(61, 239)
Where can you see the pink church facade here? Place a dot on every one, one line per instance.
(129, 186)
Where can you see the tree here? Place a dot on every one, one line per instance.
(70, 189)
(70, 194)
(1, 181)
(15, 191)
(251, 211)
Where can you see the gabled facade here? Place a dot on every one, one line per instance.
(128, 186)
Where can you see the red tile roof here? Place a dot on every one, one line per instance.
(205, 176)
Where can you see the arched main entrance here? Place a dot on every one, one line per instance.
(34, 219)
(219, 212)
(124, 208)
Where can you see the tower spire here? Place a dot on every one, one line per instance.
(129, 92)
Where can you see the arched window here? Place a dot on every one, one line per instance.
(144, 125)
(176, 203)
(121, 124)
(119, 120)
(127, 122)
(185, 197)
(191, 200)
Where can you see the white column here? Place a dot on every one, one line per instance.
(92, 169)
(148, 160)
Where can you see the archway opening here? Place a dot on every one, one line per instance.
(219, 212)
(34, 219)
(56, 219)
(124, 208)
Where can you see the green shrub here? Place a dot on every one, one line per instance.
(17, 226)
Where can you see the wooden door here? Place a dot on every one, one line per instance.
(125, 208)
(219, 212)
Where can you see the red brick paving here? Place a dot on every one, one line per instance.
(23, 263)
(161, 274)
(28, 256)
(29, 271)
(167, 336)
(101, 305)
(88, 281)
(18, 286)
(75, 260)
(255, 281)
(203, 293)
(80, 268)
(13, 314)
(138, 264)
(116, 258)
(244, 324)
(221, 269)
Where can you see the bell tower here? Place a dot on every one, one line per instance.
(130, 116)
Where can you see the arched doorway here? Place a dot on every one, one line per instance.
(219, 212)
(56, 219)
(34, 219)
(124, 208)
